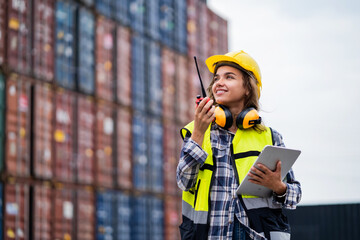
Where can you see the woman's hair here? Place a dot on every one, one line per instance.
(250, 84)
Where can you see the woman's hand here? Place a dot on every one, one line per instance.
(204, 115)
(268, 178)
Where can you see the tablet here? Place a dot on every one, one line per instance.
(269, 157)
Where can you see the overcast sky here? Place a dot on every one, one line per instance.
(309, 56)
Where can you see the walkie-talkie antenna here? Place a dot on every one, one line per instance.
(202, 86)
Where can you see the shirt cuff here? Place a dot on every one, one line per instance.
(196, 152)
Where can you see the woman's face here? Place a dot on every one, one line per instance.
(228, 88)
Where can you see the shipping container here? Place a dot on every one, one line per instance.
(43, 119)
(124, 148)
(155, 154)
(18, 36)
(203, 34)
(2, 119)
(123, 216)
(63, 213)
(172, 214)
(104, 143)
(104, 52)
(154, 78)
(88, 3)
(192, 28)
(140, 159)
(123, 62)
(105, 216)
(167, 22)
(223, 35)
(16, 212)
(137, 15)
(86, 51)
(41, 211)
(85, 215)
(180, 31)
(122, 12)
(139, 225)
(64, 159)
(2, 30)
(85, 140)
(43, 39)
(156, 219)
(170, 161)
(168, 69)
(65, 24)
(184, 100)
(105, 7)
(18, 125)
(214, 33)
(138, 73)
(153, 19)
(194, 87)
(1, 212)
(335, 221)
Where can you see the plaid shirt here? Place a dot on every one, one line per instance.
(224, 202)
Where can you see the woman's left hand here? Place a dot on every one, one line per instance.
(262, 175)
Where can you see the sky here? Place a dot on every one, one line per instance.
(309, 56)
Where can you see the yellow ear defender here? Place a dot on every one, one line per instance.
(246, 119)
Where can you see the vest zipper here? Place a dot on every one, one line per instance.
(233, 163)
(196, 192)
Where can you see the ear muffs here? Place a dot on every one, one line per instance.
(223, 117)
(248, 118)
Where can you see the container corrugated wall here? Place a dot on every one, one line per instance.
(2, 30)
(2, 119)
(42, 207)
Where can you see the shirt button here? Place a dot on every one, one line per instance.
(234, 197)
(230, 222)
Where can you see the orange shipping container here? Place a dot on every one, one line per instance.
(63, 136)
(85, 146)
(16, 214)
(43, 129)
(18, 123)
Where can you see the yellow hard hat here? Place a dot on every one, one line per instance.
(242, 59)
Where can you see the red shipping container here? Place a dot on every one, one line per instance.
(184, 100)
(2, 30)
(43, 41)
(85, 215)
(63, 215)
(194, 87)
(124, 148)
(104, 59)
(104, 138)
(123, 74)
(43, 129)
(223, 35)
(41, 212)
(19, 36)
(192, 38)
(18, 105)
(170, 160)
(172, 213)
(16, 214)
(168, 78)
(85, 158)
(214, 33)
(203, 34)
(63, 136)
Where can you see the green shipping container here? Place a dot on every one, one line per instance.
(2, 119)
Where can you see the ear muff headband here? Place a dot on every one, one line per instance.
(248, 118)
(223, 117)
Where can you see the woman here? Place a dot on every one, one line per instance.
(215, 159)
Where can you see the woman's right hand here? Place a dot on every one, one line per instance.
(204, 115)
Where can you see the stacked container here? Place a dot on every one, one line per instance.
(92, 96)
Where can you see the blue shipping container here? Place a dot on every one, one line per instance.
(137, 15)
(140, 224)
(153, 19)
(122, 13)
(181, 26)
(154, 80)
(1, 212)
(138, 73)
(167, 22)
(86, 51)
(123, 218)
(105, 216)
(105, 7)
(64, 44)
(156, 218)
(140, 168)
(156, 162)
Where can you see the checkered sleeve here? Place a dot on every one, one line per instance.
(293, 192)
(192, 157)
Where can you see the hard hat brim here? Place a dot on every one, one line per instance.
(211, 61)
